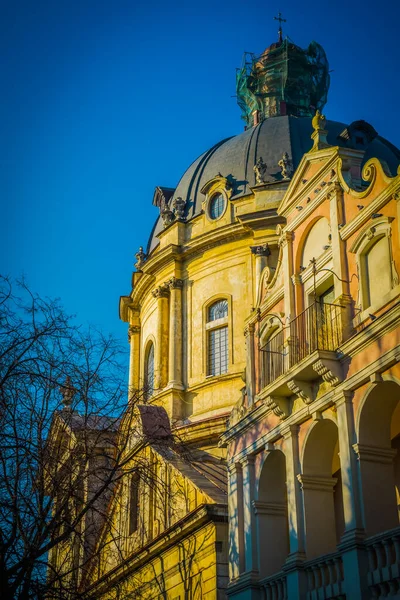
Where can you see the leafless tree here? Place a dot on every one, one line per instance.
(62, 395)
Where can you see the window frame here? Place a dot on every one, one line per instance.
(210, 198)
(367, 238)
(133, 496)
(217, 324)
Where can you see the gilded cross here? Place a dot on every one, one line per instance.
(281, 20)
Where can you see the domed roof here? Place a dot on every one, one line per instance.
(236, 157)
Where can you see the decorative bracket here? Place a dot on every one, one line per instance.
(302, 389)
(279, 406)
(330, 370)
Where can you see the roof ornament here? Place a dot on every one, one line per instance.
(260, 170)
(319, 134)
(286, 166)
(140, 258)
(68, 392)
(281, 20)
(178, 207)
(167, 216)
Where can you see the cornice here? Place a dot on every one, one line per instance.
(216, 237)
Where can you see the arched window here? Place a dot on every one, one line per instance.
(217, 338)
(149, 371)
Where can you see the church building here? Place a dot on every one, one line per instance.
(264, 332)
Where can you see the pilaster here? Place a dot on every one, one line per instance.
(235, 515)
(161, 351)
(134, 359)
(250, 363)
(175, 334)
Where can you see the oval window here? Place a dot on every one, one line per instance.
(217, 206)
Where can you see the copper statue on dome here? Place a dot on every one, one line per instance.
(284, 80)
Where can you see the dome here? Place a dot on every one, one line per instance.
(236, 156)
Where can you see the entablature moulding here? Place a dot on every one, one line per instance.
(259, 412)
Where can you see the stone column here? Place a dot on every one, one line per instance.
(134, 359)
(175, 334)
(235, 512)
(352, 506)
(355, 561)
(250, 363)
(261, 253)
(161, 350)
(296, 583)
(249, 522)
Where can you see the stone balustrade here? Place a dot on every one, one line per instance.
(384, 564)
(325, 578)
(275, 587)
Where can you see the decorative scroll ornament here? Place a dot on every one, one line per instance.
(286, 166)
(133, 330)
(140, 258)
(279, 406)
(175, 283)
(162, 291)
(260, 170)
(178, 207)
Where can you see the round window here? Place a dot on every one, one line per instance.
(216, 206)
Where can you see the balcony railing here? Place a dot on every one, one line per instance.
(319, 327)
(325, 578)
(384, 563)
(275, 587)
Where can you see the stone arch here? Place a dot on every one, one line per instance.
(322, 489)
(272, 514)
(378, 448)
(314, 239)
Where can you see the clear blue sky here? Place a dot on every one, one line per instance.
(102, 101)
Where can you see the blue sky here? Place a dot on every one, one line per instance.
(102, 101)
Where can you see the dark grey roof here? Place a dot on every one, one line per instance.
(236, 157)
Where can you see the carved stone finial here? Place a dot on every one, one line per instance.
(178, 206)
(140, 258)
(286, 166)
(318, 121)
(260, 170)
(68, 392)
(319, 134)
(167, 216)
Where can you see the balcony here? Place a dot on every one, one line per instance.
(304, 351)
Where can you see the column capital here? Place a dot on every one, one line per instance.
(133, 330)
(290, 431)
(343, 397)
(248, 460)
(234, 467)
(174, 283)
(162, 291)
(261, 250)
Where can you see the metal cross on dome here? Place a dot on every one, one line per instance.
(281, 20)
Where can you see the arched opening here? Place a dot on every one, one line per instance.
(272, 515)
(379, 452)
(322, 489)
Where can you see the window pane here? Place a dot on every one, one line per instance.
(217, 205)
(149, 373)
(218, 310)
(218, 351)
(134, 503)
(378, 270)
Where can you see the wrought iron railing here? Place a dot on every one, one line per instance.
(319, 327)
